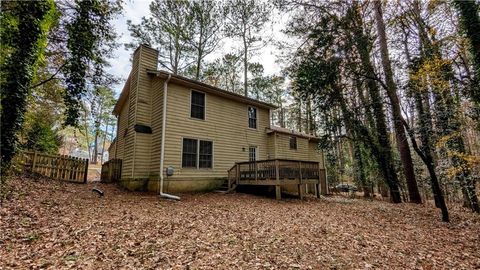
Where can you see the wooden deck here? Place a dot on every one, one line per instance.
(279, 172)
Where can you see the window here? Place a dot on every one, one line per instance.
(252, 117)
(293, 142)
(197, 108)
(205, 155)
(197, 154)
(189, 156)
(252, 153)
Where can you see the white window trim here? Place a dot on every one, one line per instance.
(248, 118)
(204, 107)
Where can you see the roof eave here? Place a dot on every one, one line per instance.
(306, 136)
(122, 98)
(210, 89)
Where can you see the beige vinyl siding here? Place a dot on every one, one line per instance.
(225, 124)
(306, 149)
(144, 101)
(314, 154)
(122, 125)
(137, 155)
(143, 141)
(157, 111)
(111, 150)
(271, 146)
(284, 151)
(129, 139)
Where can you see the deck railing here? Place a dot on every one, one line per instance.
(285, 169)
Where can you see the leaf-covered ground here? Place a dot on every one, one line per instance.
(47, 224)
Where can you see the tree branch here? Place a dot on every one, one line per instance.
(50, 78)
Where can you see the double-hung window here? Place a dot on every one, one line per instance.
(197, 106)
(189, 156)
(252, 117)
(205, 155)
(197, 153)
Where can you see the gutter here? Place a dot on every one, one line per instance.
(162, 152)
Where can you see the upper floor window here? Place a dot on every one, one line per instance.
(293, 142)
(252, 117)
(197, 108)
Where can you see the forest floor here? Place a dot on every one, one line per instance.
(49, 224)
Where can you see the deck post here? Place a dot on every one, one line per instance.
(318, 184)
(278, 190)
(300, 184)
(237, 173)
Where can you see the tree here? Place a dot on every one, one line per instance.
(184, 32)
(362, 44)
(470, 21)
(168, 29)
(205, 30)
(277, 94)
(391, 88)
(244, 20)
(425, 151)
(223, 73)
(90, 42)
(100, 106)
(27, 23)
(42, 136)
(441, 125)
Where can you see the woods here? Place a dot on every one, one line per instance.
(392, 88)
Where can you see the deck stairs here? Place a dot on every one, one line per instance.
(230, 184)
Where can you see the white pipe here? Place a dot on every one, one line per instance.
(162, 152)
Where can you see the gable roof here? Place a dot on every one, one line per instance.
(181, 80)
(123, 96)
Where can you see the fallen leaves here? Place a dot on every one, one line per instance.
(49, 224)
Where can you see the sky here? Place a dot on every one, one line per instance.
(134, 10)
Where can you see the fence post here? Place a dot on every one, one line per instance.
(86, 172)
(34, 162)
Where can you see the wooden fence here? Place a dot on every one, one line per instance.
(66, 168)
(111, 170)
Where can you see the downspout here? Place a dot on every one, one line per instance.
(162, 151)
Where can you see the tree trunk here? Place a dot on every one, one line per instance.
(402, 142)
(245, 67)
(385, 158)
(86, 132)
(95, 148)
(104, 139)
(470, 20)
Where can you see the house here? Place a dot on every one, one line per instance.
(210, 137)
